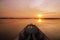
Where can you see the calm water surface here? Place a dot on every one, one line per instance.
(12, 27)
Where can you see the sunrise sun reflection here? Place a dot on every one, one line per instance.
(39, 20)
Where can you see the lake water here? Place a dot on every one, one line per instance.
(11, 27)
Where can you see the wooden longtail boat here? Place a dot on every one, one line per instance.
(31, 32)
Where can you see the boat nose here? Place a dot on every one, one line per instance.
(30, 26)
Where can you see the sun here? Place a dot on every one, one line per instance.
(40, 15)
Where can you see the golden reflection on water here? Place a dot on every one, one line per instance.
(39, 20)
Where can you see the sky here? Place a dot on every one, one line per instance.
(30, 8)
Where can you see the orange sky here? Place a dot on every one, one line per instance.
(30, 8)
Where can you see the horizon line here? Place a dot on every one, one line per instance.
(28, 18)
